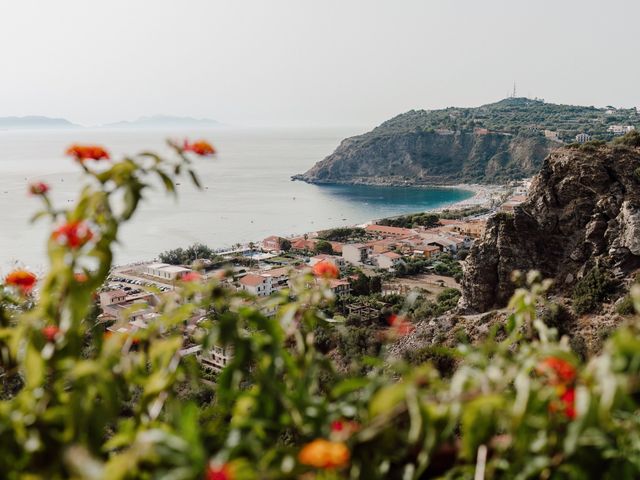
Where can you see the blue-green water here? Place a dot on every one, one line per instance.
(248, 193)
(389, 201)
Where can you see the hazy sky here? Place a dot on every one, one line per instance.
(304, 62)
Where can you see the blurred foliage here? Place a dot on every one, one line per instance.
(78, 403)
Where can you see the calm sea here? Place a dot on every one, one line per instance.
(248, 194)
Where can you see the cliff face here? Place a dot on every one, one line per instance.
(583, 208)
(422, 157)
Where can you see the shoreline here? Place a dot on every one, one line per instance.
(483, 197)
(482, 193)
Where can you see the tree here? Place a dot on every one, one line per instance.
(285, 244)
(180, 256)
(322, 246)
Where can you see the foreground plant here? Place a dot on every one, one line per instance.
(79, 402)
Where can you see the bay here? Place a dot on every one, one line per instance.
(247, 193)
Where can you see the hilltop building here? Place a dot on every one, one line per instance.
(583, 138)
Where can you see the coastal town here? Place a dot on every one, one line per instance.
(420, 252)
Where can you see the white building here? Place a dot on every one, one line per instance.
(340, 287)
(583, 138)
(260, 285)
(389, 260)
(165, 271)
(446, 243)
(279, 277)
(215, 359)
(620, 129)
(551, 135)
(112, 297)
(356, 253)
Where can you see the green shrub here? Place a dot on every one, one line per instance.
(631, 139)
(559, 317)
(625, 307)
(441, 358)
(591, 291)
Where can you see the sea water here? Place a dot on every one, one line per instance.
(247, 192)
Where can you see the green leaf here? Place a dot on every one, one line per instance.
(387, 399)
(479, 422)
(348, 386)
(33, 367)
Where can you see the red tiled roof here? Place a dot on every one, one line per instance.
(277, 272)
(252, 280)
(388, 230)
(337, 246)
(333, 283)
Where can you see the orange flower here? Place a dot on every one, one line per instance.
(80, 277)
(38, 188)
(219, 472)
(561, 370)
(201, 147)
(400, 325)
(23, 279)
(87, 152)
(191, 277)
(322, 453)
(50, 332)
(74, 234)
(326, 270)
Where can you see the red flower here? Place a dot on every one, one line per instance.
(38, 188)
(568, 399)
(343, 429)
(326, 270)
(400, 325)
(201, 147)
(561, 370)
(23, 279)
(191, 277)
(50, 332)
(219, 472)
(74, 234)
(87, 152)
(566, 402)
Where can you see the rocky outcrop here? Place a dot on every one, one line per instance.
(420, 157)
(583, 207)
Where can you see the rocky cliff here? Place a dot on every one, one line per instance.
(583, 208)
(421, 157)
(487, 144)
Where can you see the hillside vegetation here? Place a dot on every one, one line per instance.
(488, 144)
